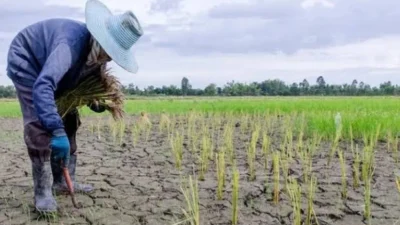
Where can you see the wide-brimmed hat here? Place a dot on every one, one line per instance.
(115, 33)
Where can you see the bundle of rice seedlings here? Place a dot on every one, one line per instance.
(103, 89)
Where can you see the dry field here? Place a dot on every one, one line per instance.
(216, 168)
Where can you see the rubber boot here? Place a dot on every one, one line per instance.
(59, 181)
(42, 181)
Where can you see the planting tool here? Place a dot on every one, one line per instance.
(70, 186)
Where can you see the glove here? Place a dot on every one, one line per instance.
(96, 107)
(60, 147)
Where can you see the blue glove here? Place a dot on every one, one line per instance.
(60, 147)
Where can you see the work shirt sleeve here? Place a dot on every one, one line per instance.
(60, 60)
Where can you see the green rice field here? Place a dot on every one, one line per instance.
(364, 114)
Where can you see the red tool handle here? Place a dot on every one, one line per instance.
(70, 186)
(68, 180)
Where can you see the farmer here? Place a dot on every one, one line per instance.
(45, 60)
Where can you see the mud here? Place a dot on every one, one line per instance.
(139, 184)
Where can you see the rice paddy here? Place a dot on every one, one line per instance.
(310, 160)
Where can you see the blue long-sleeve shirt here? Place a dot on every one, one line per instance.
(49, 56)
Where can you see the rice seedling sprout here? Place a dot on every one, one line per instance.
(220, 159)
(235, 196)
(265, 148)
(344, 174)
(191, 195)
(177, 149)
(251, 153)
(276, 167)
(310, 201)
(294, 192)
(356, 168)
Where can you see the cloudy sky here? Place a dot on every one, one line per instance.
(243, 40)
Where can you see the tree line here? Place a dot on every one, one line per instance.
(271, 87)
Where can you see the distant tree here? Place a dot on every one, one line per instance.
(7, 92)
(131, 90)
(211, 90)
(219, 91)
(305, 84)
(387, 88)
(321, 85)
(294, 89)
(321, 81)
(270, 87)
(361, 85)
(254, 89)
(354, 83)
(353, 89)
(304, 87)
(150, 90)
(185, 86)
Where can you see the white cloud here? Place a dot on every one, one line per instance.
(141, 8)
(247, 40)
(313, 3)
(372, 61)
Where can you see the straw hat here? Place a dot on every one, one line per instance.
(115, 33)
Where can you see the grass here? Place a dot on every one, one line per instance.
(362, 113)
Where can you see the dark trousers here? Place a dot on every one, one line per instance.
(37, 139)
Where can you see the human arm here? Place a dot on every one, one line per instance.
(56, 66)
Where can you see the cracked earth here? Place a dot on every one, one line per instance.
(139, 184)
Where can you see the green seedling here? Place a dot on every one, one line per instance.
(191, 195)
(177, 149)
(204, 156)
(265, 149)
(356, 169)
(251, 154)
(220, 160)
(276, 167)
(344, 176)
(294, 192)
(310, 199)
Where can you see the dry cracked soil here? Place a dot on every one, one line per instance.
(139, 184)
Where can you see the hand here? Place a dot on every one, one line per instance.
(60, 147)
(96, 106)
